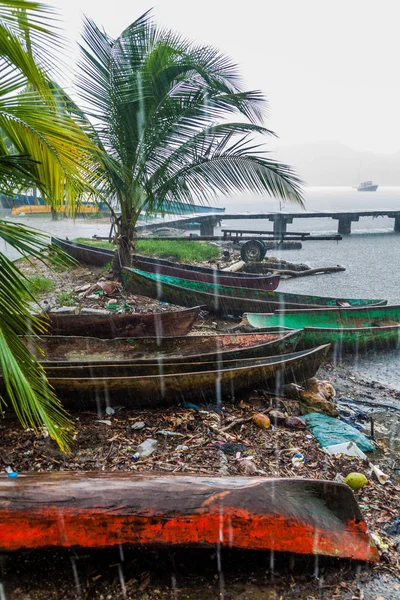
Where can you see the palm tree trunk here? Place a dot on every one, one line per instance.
(123, 253)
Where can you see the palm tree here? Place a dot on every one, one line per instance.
(40, 145)
(162, 111)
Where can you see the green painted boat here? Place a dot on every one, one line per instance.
(70, 351)
(368, 316)
(223, 299)
(169, 383)
(346, 329)
(352, 339)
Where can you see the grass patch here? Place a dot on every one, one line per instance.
(66, 299)
(40, 285)
(97, 243)
(178, 250)
(182, 251)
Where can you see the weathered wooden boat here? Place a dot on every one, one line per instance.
(352, 339)
(367, 316)
(96, 510)
(69, 351)
(168, 383)
(223, 299)
(86, 254)
(125, 325)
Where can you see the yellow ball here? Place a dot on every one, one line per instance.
(356, 480)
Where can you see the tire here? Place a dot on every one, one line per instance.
(253, 251)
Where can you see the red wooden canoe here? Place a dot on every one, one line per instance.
(163, 324)
(96, 510)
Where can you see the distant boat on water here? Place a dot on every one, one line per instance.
(367, 186)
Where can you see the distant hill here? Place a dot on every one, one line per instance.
(332, 163)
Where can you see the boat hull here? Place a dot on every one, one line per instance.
(367, 316)
(221, 299)
(352, 339)
(110, 326)
(70, 351)
(86, 254)
(292, 515)
(169, 383)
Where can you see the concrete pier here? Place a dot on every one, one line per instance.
(281, 219)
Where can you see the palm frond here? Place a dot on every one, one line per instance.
(24, 382)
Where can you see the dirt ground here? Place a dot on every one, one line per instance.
(208, 440)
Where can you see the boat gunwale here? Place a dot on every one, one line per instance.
(285, 335)
(290, 359)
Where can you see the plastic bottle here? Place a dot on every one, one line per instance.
(145, 449)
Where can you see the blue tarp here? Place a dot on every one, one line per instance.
(329, 431)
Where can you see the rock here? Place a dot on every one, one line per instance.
(276, 416)
(247, 467)
(315, 397)
(294, 423)
(356, 481)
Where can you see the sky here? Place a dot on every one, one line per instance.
(329, 69)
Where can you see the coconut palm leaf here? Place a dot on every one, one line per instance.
(23, 382)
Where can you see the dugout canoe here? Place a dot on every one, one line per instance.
(160, 324)
(170, 383)
(69, 351)
(352, 339)
(91, 255)
(97, 510)
(223, 299)
(367, 316)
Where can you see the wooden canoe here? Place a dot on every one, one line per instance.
(69, 351)
(96, 510)
(86, 254)
(223, 299)
(367, 316)
(162, 324)
(169, 383)
(352, 339)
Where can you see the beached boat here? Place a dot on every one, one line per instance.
(95, 510)
(365, 316)
(86, 254)
(352, 339)
(169, 383)
(125, 325)
(65, 350)
(224, 299)
(346, 329)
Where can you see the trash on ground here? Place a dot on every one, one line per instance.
(329, 431)
(347, 448)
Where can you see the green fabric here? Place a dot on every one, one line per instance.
(329, 431)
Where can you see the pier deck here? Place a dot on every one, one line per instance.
(280, 219)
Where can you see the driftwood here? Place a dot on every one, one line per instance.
(95, 510)
(307, 272)
(237, 266)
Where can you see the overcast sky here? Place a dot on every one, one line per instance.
(330, 69)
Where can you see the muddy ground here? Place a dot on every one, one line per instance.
(208, 441)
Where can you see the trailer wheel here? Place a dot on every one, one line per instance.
(253, 251)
